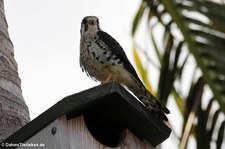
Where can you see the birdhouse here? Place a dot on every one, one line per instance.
(106, 116)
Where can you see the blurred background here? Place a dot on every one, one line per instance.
(177, 48)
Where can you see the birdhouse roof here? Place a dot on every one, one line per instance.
(116, 105)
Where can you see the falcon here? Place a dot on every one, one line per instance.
(103, 59)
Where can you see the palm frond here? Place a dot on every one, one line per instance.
(205, 39)
(192, 29)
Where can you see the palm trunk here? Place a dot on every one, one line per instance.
(13, 111)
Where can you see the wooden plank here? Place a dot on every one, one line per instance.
(132, 142)
(81, 138)
(53, 136)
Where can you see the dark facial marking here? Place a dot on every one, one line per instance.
(85, 21)
(97, 21)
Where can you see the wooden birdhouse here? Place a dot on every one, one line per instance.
(106, 116)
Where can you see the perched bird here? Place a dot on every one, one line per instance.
(102, 57)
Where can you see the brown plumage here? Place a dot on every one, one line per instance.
(102, 58)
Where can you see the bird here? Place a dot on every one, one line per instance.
(104, 60)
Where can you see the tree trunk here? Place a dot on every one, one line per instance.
(13, 111)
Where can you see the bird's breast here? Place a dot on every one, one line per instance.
(94, 59)
(98, 61)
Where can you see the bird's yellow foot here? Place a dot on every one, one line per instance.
(109, 78)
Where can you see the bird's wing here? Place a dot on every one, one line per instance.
(118, 51)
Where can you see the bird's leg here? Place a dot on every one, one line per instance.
(109, 77)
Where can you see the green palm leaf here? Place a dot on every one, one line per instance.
(192, 29)
(206, 42)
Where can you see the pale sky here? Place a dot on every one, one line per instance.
(46, 34)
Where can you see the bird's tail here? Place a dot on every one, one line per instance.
(150, 101)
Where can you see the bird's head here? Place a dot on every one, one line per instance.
(89, 23)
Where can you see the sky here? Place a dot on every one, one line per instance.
(46, 34)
